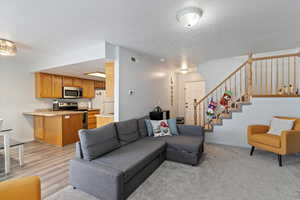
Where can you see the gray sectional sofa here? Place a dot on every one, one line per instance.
(112, 161)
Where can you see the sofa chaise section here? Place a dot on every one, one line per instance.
(98, 180)
(131, 159)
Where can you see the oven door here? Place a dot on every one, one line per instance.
(71, 93)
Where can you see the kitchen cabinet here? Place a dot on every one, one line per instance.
(48, 85)
(58, 130)
(100, 85)
(70, 126)
(67, 81)
(102, 120)
(43, 85)
(109, 81)
(77, 82)
(88, 88)
(92, 118)
(56, 86)
(38, 127)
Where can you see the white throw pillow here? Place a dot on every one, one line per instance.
(160, 128)
(278, 125)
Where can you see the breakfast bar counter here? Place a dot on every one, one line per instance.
(50, 113)
(56, 127)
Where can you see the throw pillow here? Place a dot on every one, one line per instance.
(160, 128)
(149, 127)
(173, 126)
(278, 125)
(142, 126)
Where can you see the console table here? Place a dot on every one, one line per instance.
(164, 114)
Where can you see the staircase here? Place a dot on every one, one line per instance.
(271, 76)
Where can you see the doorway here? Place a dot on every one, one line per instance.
(192, 90)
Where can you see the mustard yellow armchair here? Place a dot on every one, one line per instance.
(287, 143)
(28, 188)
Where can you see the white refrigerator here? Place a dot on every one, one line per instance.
(105, 104)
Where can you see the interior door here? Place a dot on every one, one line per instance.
(193, 90)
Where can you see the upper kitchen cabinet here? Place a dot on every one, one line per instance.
(88, 88)
(67, 81)
(57, 86)
(109, 82)
(48, 85)
(77, 82)
(100, 85)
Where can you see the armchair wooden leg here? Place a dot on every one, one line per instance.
(252, 150)
(280, 160)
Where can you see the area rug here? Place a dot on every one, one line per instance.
(225, 173)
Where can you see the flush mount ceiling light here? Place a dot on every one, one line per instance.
(97, 74)
(7, 48)
(184, 71)
(189, 16)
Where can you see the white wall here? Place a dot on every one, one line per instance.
(215, 71)
(233, 131)
(147, 77)
(17, 96)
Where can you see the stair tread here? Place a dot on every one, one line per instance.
(225, 116)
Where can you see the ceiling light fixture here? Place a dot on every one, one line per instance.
(97, 74)
(7, 48)
(162, 60)
(184, 71)
(189, 16)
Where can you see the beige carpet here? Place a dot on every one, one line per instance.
(226, 173)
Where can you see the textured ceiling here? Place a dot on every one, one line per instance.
(228, 28)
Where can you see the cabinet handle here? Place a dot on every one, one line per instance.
(67, 116)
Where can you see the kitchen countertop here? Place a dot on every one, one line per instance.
(105, 115)
(90, 109)
(50, 113)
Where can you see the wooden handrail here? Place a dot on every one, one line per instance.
(228, 77)
(274, 57)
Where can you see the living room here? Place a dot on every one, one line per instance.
(184, 58)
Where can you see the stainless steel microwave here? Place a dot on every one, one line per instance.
(72, 92)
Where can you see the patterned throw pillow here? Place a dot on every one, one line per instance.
(160, 128)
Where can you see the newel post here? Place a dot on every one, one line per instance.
(249, 76)
(195, 111)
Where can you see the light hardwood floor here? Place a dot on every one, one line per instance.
(49, 162)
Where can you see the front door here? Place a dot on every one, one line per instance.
(193, 90)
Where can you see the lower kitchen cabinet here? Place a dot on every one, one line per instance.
(92, 118)
(103, 120)
(58, 130)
